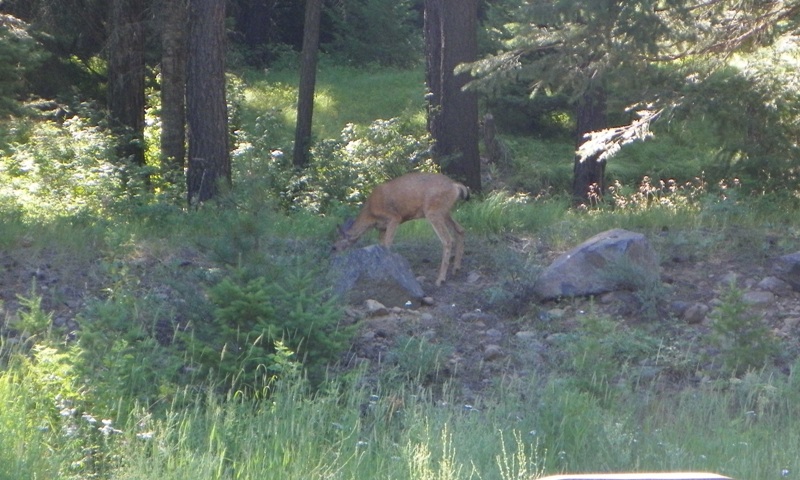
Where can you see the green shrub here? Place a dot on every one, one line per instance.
(419, 360)
(744, 340)
(259, 323)
(346, 170)
(601, 353)
(342, 170)
(52, 431)
(20, 54)
(31, 319)
(60, 170)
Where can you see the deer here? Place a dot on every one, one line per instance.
(410, 197)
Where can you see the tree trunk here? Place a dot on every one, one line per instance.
(209, 159)
(451, 28)
(433, 64)
(308, 79)
(588, 181)
(126, 75)
(173, 87)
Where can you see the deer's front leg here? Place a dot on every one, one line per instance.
(386, 235)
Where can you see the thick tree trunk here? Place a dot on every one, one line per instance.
(126, 77)
(588, 181)
(209, 159)
(308, 79)
(173, 87)
(451, 39)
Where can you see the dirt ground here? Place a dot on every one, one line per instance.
(490, 328)
(482, 325)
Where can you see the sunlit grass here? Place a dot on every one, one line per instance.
(348, 431)
(342, 96)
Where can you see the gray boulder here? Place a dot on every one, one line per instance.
(374, 272)
(787, 268)
(613, 260)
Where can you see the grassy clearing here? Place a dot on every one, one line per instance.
(342, 96)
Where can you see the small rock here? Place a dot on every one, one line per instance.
(375, 308)
(428, 334)
(494, 334)
(473, 277)
(787, 268)
(790, 324)
(478, 316)
(492, 352)
(60, 321)
(696, 313)
(775, 285)
(427, 301)
(526, 335)
(679, 307)
(756, 297)
(728, 279)
(368, 335)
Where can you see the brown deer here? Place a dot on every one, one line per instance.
(410, 197)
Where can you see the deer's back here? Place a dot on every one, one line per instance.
(414, 193)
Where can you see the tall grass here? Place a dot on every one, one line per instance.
(348, 431)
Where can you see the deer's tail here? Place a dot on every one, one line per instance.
(463, 191)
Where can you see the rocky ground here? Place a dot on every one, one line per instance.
(482, 324)
(483, 339)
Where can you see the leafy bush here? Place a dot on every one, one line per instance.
(756, 130)
(260, 323)
(346, 170)
(60, 170)
(48, 401)
(20, 53)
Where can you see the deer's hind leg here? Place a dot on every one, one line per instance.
(458, 230)
(441, 226)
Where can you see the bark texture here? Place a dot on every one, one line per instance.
(173, 85)
(209, 159)
(126, 77)
(451, 39)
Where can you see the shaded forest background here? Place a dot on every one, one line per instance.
(556, 70)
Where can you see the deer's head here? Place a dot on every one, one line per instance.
(344, 240)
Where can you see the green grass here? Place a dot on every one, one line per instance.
(342, 96)
(350, 432)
